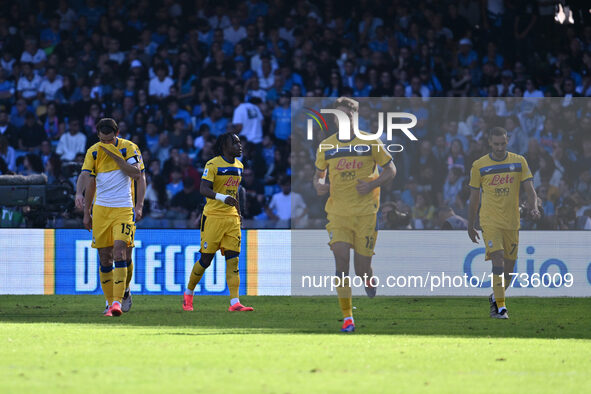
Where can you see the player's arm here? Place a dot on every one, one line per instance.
(206, 189)
(388, 173)
(532, 198)
(141, 192)
(80, 185)
(89, 189)
(472, 212)
(131, 170)
(320, 182)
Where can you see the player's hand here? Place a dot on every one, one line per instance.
(535, 214)
(139, 213)
(363, 187)
(79, 201)
(322, 188)
(473, 234)
(232, 201)
(87, 221)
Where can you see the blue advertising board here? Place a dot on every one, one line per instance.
(162, 260)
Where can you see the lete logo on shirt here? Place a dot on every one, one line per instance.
(501, 180)
(231, 181)
(345, 164)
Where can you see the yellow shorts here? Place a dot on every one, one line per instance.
(360, 232)
(110, 225)
(220, 232)
(506, 240)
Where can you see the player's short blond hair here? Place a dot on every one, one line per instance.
(353, 105)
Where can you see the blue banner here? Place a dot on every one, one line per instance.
(162, 260)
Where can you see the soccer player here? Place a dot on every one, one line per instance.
(138, 199)
(115, 163)
(220, 222)
(352, 205)
(500, 175)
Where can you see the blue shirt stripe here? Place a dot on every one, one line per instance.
(500, 168)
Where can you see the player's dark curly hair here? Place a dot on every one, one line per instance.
(220, 142)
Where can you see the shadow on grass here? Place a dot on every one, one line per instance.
(430, 316)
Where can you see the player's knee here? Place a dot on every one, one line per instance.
(205, 260)
(498, 269)
(230, 254)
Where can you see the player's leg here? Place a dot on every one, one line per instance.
(511, 243)
(210, 239)
(363, 269)
(106, 276)
(196, 274)
(341, 252)
(127, 300)
(119, 275)
(122, 235)
(102, 240)
(230, 245)
(493, 240)
(365, 238)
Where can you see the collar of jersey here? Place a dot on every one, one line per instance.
(227, 161)
(503, 159)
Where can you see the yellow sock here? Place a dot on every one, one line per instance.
(232, 276)
(106, 277)
(499, 290)
(119, 278)
(345, 297)
(129, 273)
(196, 275)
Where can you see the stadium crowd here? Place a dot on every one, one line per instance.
(176, 74)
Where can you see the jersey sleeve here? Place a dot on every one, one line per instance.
(89, 162)
(525, 171)
(379, 153)
(321, 163)
(475, 181)
(209, 172)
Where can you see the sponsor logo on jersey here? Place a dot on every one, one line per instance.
(501, 180)
(345, 164)
(231, 181)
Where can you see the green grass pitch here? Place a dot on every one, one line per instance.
(61, 344)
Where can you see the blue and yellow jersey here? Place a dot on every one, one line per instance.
(225, 177)
(500, 181)
(347, 162)
(113, 187)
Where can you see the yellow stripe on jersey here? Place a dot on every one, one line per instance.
(500, 181)
(226, 178)
(347, 163)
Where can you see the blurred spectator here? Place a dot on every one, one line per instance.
(175, 185)
(282, 203)
(450, 221)
(7, 130)
(28, 85)
(7, 154)
(31, 134)
(248, 121)
(72, 142)
(188, 201)
(453, 185)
